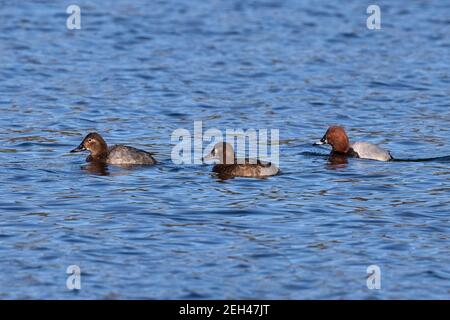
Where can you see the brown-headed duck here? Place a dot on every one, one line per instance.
(227, 165)
(340, 144)
(118, 154)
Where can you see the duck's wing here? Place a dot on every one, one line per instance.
(120, 154)
(253, 169)
(253, 161)
(367, 150)
(237, 170)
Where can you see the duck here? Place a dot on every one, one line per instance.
(337, 138)
(228, 166)
(117, 155)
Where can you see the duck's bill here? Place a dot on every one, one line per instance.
(78, 149)
(209, 158)
(319, 143)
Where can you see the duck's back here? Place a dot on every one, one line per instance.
(259, 169)
(367, 150)
(120, 154)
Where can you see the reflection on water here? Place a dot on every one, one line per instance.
(338, 160)
(96, 168)
(144, 69)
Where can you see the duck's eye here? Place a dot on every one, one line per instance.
(89, 140)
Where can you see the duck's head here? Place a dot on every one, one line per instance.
(93, 143)
(222, 153)
(336, 138)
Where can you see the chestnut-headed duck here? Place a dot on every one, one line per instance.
(227, 165)
(118, 154)
(340, 144)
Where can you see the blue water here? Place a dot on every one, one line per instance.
(137, 70)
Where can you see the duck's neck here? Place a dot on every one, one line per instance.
(100, 157)
(349, 153)
(342, 148)
(101, 154)
(228, 159)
